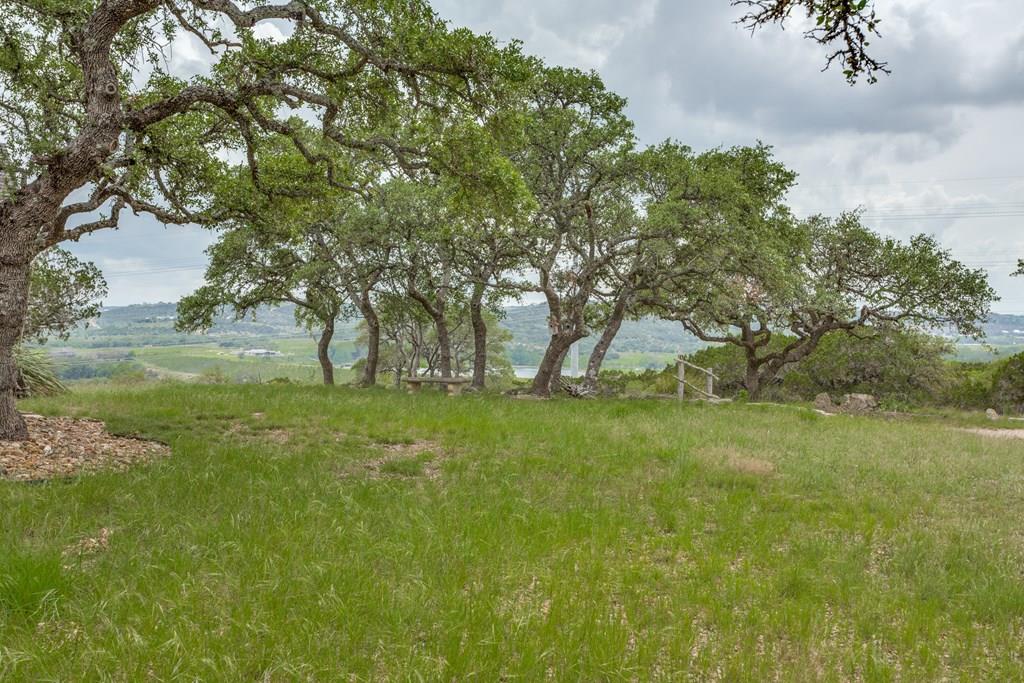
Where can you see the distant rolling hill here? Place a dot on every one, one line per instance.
(640, 343)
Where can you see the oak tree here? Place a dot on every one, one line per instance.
(835, 275)
(574, 159)
(93, 122)
(267, 265)
(64, 293)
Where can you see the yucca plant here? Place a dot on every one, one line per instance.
(37, 375)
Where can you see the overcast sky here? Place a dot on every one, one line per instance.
(936, 147)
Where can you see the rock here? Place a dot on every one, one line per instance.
(991, 414)
(824, 402)
(856, 404)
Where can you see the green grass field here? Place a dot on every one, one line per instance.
(297, 361)
(296, 364)
(309, 534)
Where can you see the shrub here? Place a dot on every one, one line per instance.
(128, 373)
(214, 375)
(632, 382)
(728, 363)
(970, 386)
(82, 370)
(1008, 385)
(37, 375)
(896, 366)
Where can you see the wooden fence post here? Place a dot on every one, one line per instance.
(711, 382)
(681, 377)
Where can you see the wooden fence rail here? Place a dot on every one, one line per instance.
(709, 379)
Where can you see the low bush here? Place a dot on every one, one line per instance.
(37, 375)
(970, 385)
(638, 381)
(900, 368)
(1008, 385)
(128, 374)
(214, 375)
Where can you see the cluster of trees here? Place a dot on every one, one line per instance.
(93, 123)
(601, 229)
(902, 368)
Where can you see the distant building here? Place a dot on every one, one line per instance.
(260, 353)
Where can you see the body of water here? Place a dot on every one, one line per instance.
(530, 371)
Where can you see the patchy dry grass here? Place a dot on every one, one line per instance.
(302, 533)
(737, 460)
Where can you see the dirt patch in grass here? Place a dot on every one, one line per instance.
(401, 460)
(737, 460)
(752, 465)
(996, 433)
(275, 436)
(411, 449)
(63, 446)
(87, 547)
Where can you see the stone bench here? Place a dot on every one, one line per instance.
(452, 384)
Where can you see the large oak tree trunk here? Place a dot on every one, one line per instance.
(550, 368)
(33, 211)
(476, 311)
(323, 353)
(556, 372)
(600, 349)
(14, 284)
(372, 341)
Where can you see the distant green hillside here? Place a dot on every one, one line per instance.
(640, 343)
(153, 325)
(1004, 329)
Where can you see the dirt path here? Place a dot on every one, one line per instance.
(996, 433)
(164, 373)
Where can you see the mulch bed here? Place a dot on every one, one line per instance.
(63, 446)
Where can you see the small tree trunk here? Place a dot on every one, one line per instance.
(414, 362)
(476, 311)
(14, 282)
(323, 353)
(752, 383)
(607, 337)
(437, 313)
(444, 345)
(372, 340)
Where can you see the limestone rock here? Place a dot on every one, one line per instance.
(856, 404)
(824, 402)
